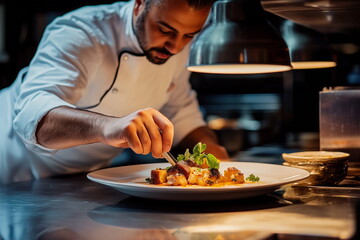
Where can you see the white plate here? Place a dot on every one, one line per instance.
(131, 180)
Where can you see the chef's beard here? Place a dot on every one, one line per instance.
(149, 53)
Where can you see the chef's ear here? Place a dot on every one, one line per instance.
(139, 7)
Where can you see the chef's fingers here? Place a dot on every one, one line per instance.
(137, 134)
(153, 131)
(167, 131)
(131, 136)
(144, 137)
(156, 138)
(146, 131)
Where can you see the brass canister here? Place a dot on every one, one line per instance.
(325, 168)
(340, 123)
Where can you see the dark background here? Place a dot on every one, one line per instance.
(267, 108)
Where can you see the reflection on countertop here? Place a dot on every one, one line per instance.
(72, 207)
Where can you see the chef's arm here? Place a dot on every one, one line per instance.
(65, 127)
(205, 135)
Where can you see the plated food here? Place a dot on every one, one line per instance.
(131, 180)
(198, 169)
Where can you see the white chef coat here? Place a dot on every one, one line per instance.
(88, 59)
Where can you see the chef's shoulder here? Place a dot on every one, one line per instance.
(98, 12)
(97, 21)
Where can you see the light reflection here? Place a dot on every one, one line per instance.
(239, 68)
(313, 64)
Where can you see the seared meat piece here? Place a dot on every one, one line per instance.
(183, 168)
(190, 163)
(158, 176)
(172, 170)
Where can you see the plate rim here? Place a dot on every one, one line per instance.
(143, 190)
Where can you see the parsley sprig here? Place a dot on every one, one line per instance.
(200, 157)
(252, 178)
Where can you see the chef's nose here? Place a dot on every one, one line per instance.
(175, 45)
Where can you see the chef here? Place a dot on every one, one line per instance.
(104, 78)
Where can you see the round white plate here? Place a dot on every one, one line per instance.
(131, 180)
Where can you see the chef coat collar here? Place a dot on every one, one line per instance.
(133, 44)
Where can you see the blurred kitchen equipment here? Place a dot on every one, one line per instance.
(327, 16)
(326, 168)
(242, 121)
(308, 48)
(239, 39)
(304, 141)
(340, 124)
(230, 134)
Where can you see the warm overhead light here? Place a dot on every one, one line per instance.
(308, 48)
(239, 40)
(313, 64)
(239, 68)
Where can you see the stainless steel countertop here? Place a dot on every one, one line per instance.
(73, 207)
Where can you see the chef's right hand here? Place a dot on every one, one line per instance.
(143, 131)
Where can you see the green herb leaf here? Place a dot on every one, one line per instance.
(200, 157)
(199, 148)
(187, 154)
(180, 157)
(212, 161)
(252, 178)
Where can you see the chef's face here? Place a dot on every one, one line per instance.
(164, 28)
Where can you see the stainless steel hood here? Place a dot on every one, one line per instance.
(327, 16)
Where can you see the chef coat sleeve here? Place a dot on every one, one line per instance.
(56, 76)
(182, 107)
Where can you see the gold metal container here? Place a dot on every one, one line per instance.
(325, 168)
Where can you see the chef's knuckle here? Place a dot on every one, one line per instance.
(129, 129)
(155, 138)
(146, 112)
(142, 114)
(168, 128)
(135, 121)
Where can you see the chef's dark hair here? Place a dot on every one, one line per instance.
(196, 4)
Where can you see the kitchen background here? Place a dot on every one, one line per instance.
(246, 111)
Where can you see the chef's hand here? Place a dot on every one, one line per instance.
(144, 131)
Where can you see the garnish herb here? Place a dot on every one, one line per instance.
(199, 148)
(200, 157)
(213, 161)
(252, 178)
